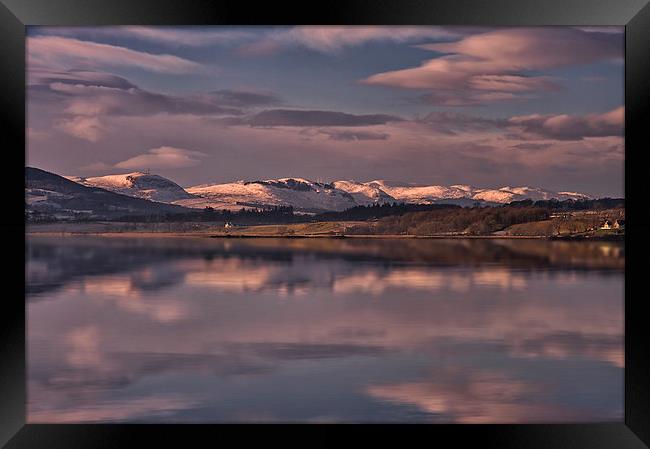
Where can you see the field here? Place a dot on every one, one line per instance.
(483, 223)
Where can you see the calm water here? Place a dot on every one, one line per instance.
(315, 330)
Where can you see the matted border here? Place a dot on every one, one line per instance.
(16, 14)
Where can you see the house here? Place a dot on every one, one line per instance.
(619, 224)
(607, 225)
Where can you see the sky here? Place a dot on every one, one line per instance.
(488, 107)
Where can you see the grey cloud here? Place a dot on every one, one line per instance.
(451, 122)
(80, 77)
(243, 99)
(87, 93)
(462, 98)
(531, 146)
(144, 102)
(348, 136)
(305, 351)
(557, 127)
(136, 101)
(291, 117)
(571, 127)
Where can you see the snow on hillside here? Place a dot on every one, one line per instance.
(302, 194)
(436, 193)
(364, 194)
(419, 194)
(139, 185)
(508, 194)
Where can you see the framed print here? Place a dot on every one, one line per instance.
(359, 213)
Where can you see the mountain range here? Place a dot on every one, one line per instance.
(142, 193)
(311, 196)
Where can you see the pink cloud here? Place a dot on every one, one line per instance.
(572, 127)
(55, 51)
(87, 128)
(164, 157)
(511, 83)
(535, 48)
(495, 62)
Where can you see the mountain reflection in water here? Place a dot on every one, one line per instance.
(124, 329)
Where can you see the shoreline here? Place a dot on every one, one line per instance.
(207, 234)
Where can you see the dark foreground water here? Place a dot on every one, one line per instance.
(125, 329)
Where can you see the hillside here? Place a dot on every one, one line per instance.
(50, 196)
(139, 185)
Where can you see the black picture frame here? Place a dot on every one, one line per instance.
(634, 432)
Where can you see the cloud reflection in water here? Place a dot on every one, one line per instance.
(198, 330)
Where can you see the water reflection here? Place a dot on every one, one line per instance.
(224, 330)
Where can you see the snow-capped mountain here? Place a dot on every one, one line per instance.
(302, 194)
(139, 185)
(508, 194)
(436, 193)
(421, 194)
(310, 196)
(364, 193)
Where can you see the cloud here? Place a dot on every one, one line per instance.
(240, 98)
(330, 39)
(61, 52)
(86, 128)
(163, 158)
(93, 93)
(296, 117)
(533, 48)
(183, 36)
(90, 100)
(451, 123)
(189, 36)
(571, 127)
(344, 135)
(466, 98)
(535, 126)
(511, 83)
(77, 77)
(86, 99)
(325, 39)
(348, 136)
(498, 65)
(531, 146)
